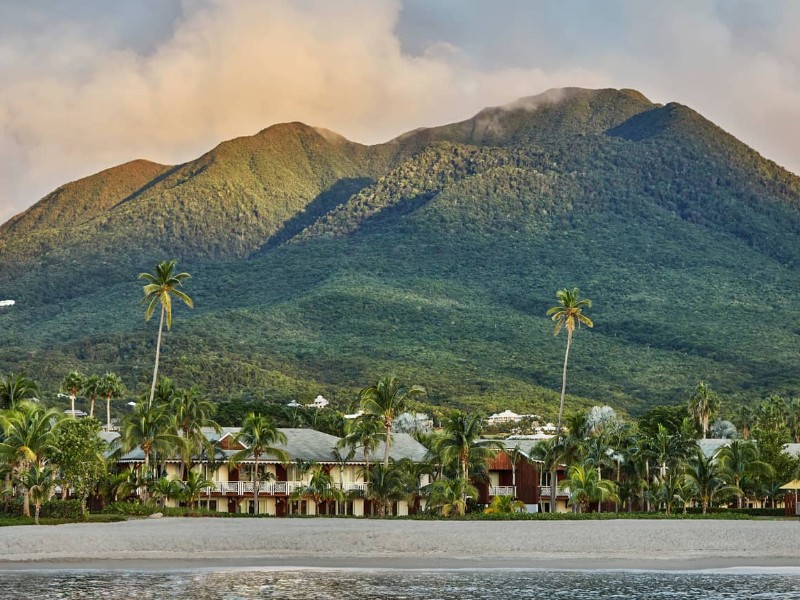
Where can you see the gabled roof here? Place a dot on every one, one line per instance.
(308, 445)
(403, 446)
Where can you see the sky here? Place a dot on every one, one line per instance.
(90, 84)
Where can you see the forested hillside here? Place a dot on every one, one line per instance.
(319, 264)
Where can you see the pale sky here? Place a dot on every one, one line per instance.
(89, 84)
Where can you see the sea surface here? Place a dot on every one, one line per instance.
(314, 583)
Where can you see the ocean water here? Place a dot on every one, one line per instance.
(318, 584)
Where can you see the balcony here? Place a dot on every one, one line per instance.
(271, 488)
(544, 492)
(503, 490)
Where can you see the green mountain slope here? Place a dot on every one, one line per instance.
(320, 264)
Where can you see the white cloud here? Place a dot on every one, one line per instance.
(78, 95)
(72, 103)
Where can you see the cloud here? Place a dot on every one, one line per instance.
(73, 102)
(167, 80)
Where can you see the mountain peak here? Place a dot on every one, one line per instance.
(544, 117)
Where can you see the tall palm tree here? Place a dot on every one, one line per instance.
(703, 405)
(110, 385)
(386, 400)
(259, 436)
(72, 384)
(568, 313)
(159, 289)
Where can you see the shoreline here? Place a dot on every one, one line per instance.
(711, 566)
(173, 544)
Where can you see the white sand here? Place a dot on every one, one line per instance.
(177, 543)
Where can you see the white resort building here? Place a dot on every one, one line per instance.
(234, 484)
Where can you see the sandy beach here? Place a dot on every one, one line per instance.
(617, 544)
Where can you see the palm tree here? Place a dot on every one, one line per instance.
(166, 489)
(363, 432)
(38, 482)
(585, 486)
(192, 412)
(110, 385)
(147, 427)
(668, 489)
(342, 458)
(319, 489)
(158, 290)
(567, 313)
(259, 436)
(706, 478)
(28, 433)
(514, 455)
(387, 399)
(739, 462)
(72, 384)
(90, 390)
(413, 473)
(16, 388)
(666, 449)
(193, 486)
(552, 453)
(504, 505)
(386, 485)
(460, 443)
(703, 405)
(449, 496)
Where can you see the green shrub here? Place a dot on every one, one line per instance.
(61, 509)
(133, 509)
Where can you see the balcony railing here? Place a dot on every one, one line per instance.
(271, 488)
(503, 490)
(544, 491)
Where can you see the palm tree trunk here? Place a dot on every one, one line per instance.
(255, 486)
(108, 412)
(554, 467)
(158, 353)
(386, 450)
(91, 408)
(36, 514)
(72, 404)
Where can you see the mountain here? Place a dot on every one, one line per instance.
(320, 264)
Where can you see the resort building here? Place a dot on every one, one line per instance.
(524, 478)
(234, 483)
